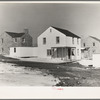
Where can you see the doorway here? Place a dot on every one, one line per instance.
(69, 53)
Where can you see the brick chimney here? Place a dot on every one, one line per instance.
(26, 31)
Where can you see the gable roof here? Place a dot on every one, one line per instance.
(95, 38)
(14, 35)
(66, 32)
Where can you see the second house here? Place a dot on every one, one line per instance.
(13, 39)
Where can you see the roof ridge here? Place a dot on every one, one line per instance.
(14, 32)
(95, 38)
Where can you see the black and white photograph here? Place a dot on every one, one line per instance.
(50, 44)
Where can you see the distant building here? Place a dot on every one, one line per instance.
(12, 39)
(91, 46)
(59, 43)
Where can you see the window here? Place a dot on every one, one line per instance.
(77, 41)
(2, 49)
(14, 49)
(72, 40)
(57, 40)
(84, 44)
(78, 52)
(50, 30)
(48, 52)
(2, 40)
(15, 39)
(93, 44)
(23, 40)
(44, 40)
(73, 52)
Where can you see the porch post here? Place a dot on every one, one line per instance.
(75, 53)
(66, 53)
(56, 52)
(70, 53)
(62, 53)
(51, 52)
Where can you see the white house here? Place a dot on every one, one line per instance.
(59, 43)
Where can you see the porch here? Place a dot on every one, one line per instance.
(64, 53)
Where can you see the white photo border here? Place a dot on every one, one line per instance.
(11, 92)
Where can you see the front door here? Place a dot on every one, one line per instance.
(69, 53)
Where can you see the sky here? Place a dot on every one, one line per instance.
(81, 19)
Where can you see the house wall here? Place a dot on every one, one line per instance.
(92, 49)
(8, 42)
(16, 44)
(24, 52)
(96, 60)
(19, 43)
(51, 42)
(75, 44)
(28, 40)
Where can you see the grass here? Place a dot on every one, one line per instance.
(69, 74)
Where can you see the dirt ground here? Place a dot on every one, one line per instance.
(69, 74)
(78, 75)
(15, 75)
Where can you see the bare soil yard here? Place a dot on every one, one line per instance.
(69, 74)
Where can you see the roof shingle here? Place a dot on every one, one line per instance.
(95, 38)
(14, 35)
(66, 32)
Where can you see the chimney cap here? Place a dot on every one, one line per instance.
(26, 31)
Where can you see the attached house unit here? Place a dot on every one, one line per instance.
(54, 43)
(59, 43)
(13, 39)
(91, 46)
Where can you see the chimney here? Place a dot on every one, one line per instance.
(26, 31)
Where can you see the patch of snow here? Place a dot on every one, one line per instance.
(86, 62)
(45, 60)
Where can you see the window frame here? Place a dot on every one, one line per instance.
(23, 40)
(49, 52)
(2, 49)
(84, 44)
(72, 40)
(77, 41)
(93, 43)
(50, 30)
(15, 40)
(57, 39)
(73, 52)
(44, 40)
(2, 40)
(14, 50)
(78, 52)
